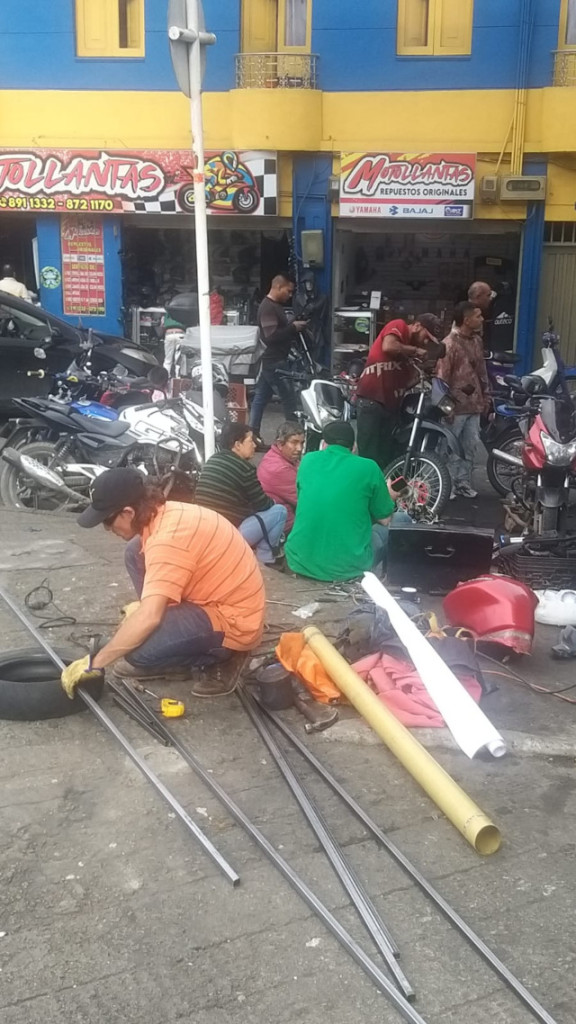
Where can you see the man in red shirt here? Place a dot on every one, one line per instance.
(386, 378)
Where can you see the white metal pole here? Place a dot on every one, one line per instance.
(195, 72)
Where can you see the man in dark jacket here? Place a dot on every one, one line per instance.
(228, 484)
(276, 334)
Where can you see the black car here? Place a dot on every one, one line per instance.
(33, 339)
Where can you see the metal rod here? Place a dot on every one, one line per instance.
(133, 754)
(479, 945)
(133, 713)
(407, 1011)
(364, 906)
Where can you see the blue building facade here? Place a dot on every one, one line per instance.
(297, 91)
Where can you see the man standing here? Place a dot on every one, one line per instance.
(229, 485)
(276, 334)
(277, 470)
(344, 508)
(384, 381)
(8, 283)
(200, 589)
(464, 370)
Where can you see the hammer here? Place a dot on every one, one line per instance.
(318, 718)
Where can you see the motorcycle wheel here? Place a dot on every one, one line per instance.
(501, 474)
(246, 201)
(17, 490)
(429, 482)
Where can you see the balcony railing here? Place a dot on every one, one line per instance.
(564, 67)
(276, 71)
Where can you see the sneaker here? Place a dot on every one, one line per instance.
(453, 495)
(122, 669)
(466, 491)
(261, 445)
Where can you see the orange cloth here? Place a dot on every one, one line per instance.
(295, 655)
(193, 554)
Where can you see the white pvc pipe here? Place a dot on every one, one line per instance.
(468, 724)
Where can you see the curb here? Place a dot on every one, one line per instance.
(519, 743)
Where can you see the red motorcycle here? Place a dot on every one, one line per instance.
(548, 461)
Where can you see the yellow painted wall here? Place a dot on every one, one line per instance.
(292, 121)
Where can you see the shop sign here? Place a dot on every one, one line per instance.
(407, 185)
(147, 181)
(83, 285)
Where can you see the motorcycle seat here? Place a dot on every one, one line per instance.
(92, 425)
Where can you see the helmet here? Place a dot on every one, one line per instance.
(494, 608)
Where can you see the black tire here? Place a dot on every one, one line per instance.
(15, 493)
(186, 198)
(501, 474)
(425, 471)
(30, 689)
(246, 201)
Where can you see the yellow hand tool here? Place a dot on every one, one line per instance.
(169, 708)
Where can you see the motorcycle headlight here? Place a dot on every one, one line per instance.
(556, 453)
(447, 405)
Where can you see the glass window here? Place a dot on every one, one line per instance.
(571, 23)
(296, 25)
(435, 27)
(110, 28)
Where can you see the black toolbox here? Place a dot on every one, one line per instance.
(436, 558)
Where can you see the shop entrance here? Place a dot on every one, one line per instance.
(420, 270)
(159, 262)
(17, 233)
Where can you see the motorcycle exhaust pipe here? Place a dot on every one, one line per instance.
(41, 474)
(512, 460)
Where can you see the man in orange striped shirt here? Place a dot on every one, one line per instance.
(200, 587)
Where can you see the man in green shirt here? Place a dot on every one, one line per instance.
(343, 511)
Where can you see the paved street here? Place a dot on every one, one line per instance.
(110, 912)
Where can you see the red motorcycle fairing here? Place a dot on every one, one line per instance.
(494, 608)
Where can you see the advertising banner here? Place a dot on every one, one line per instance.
(408, 185)
(83, 286)
(147, 181)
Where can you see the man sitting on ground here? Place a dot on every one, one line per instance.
(344, 508)
(277, 470)
(200, 588)
(229, 485)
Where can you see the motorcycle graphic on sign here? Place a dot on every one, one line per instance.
(230, 186)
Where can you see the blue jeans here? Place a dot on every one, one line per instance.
(380, 536)
(184, 637)
(268, 382)
(274, 520)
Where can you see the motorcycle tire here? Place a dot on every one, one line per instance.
(510, 442)
(423, 469)
(246, 201)
(11, 478)
(30, 689)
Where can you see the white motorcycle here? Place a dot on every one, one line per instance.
(163, 440)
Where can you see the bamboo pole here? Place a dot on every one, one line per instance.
(468, 818)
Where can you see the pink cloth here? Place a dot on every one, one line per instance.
(277, 477)
(400, 688)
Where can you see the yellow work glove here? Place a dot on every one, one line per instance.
(78, 672)
(129, 610)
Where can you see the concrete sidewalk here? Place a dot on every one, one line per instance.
(109, 912)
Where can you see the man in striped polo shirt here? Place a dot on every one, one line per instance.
(228, 484)
(200, 589)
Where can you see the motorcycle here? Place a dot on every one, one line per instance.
(503, 435)
(163, 440)
(418, 436)
(323, 401)
(546, 465)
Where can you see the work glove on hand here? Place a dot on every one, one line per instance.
(129, 610)
(78, 672)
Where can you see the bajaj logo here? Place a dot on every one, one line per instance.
(453, 211)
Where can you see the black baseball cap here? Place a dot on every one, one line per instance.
(112, 491)
(339, 432)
